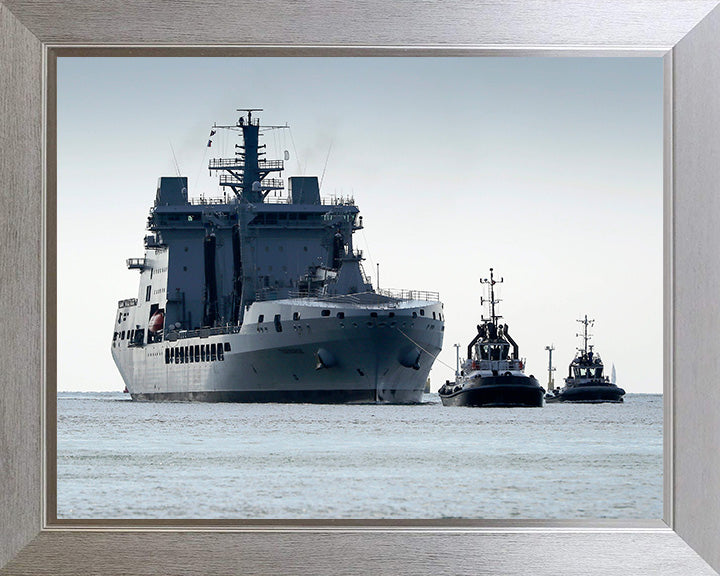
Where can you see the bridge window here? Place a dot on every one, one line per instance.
(296, 315)
(197, 353)
(278, 324)
(261, 318)
(325, 312)
(422, 312)
(213, 353)
(227, 346)
(341, 315)
(167, 355)
(147, 293)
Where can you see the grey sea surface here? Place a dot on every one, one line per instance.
(124, 459)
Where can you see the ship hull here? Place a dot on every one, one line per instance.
(589, 394)
(358, 359)
(500, 391)
(320, 396)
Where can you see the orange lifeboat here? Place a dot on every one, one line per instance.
(156, 322)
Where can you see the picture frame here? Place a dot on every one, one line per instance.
(684, 33)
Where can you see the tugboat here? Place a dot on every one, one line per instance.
(492, 375)
(585, 381)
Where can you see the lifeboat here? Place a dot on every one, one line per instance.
(156, 322)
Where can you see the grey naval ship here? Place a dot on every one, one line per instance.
(253, 297)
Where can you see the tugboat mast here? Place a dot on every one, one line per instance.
(585, 322)
(491, 282)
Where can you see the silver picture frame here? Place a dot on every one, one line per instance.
(685, 33)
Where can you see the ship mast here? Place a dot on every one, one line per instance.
(585, 336)
(491, 282)
(247, 172)
(551, 380)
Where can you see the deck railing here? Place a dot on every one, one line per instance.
(172, 335)
(410, 294)
(136, 263)
(283, 199)
(238, 163)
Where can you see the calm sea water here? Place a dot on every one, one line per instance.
(123, 459)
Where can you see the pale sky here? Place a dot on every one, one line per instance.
(547, 169)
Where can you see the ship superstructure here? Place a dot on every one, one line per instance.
(260, 295)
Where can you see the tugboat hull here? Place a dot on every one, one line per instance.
(501, 391)
(590, 394)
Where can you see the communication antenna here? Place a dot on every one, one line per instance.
(177, 168)
(585, 335)
(491, 282)
(322, 177)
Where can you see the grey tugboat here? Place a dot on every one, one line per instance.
(259, 297)
(585, 381)
(492, 375)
